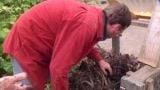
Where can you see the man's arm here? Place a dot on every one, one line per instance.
(95, 55)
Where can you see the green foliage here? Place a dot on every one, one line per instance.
(10, 10)
(5, 67)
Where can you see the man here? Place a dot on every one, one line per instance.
(51, 37)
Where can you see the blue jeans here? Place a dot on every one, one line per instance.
(18, 69)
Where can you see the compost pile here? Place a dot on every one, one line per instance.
(88, 75)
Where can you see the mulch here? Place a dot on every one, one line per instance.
(88, 76)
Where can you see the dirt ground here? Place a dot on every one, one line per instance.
(131, 40)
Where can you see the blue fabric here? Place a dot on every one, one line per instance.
(18, 69)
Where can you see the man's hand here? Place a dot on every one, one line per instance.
(105, 66)
(9, 82)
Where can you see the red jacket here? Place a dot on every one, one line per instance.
(53, 36)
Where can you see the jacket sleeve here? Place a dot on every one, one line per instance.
(70, 46)
(95, 55)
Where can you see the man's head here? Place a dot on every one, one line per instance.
(119, 18)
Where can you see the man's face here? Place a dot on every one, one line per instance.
(114, 30)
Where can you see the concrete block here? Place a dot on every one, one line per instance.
(130, 83)
(147, 78)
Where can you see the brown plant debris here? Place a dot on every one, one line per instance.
(88, 75)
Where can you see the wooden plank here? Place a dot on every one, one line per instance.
(144, 73)
(148, 61)
(144, 17)
(150, 84)
(111, 2)
(150, 53)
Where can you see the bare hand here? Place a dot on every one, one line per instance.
(105, 66)
(9, 82)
